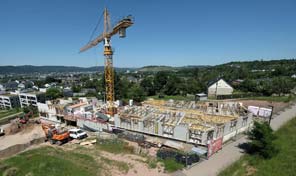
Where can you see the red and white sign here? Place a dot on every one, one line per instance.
(214, 146)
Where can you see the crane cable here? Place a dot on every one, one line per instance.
(97, 25)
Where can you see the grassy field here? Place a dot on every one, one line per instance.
(274, 98)
(115, 146)
(5, 113)
(282, 164)
(175, 97)
(51, 162)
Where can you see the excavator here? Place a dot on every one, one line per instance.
(54, 135)
(25, 118)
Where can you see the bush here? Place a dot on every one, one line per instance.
(262, 138)
(171, 165)
(178, 156)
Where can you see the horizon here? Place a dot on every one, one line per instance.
(263, 60)
(216, 33)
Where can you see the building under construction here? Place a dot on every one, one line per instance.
(197, 123)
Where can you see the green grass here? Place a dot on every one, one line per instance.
(5, 113)
(274, 98)
(115, 146)
(173, 97)
(171, 165)
(51, 162)
(282, 164)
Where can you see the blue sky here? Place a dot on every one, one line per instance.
(166, 32)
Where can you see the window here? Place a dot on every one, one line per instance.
(245, 121)
(233, 125)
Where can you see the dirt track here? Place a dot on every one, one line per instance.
(27, 134)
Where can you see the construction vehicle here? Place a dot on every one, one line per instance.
(119, 28)
(77, 133)
(25, 118)
(54, 135)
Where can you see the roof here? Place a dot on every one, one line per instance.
(199, 151)
(8, 95)
(30, 92)
(75, 129)
(201, 95)
(214, 82)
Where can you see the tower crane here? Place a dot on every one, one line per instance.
(105, 37)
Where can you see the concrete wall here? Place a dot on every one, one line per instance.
(97, 126)
(181, 132)
(50, 112)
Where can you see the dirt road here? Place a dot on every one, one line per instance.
(26, 135)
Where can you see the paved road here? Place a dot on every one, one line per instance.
(230, 153)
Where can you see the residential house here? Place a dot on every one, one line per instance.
(220, 87)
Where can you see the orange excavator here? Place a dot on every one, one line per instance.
(54, 135)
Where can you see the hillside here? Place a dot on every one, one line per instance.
(157, 68)
(257, 65)
(49, 69)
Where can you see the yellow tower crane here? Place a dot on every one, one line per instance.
(119, 28)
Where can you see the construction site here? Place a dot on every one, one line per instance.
(196, 123)
(157, 127)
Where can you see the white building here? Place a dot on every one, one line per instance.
(2, 87)
(31, 98)
(53, 110)
(8, 101)
(220, 87)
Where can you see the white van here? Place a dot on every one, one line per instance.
(77, 133)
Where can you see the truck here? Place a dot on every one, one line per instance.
(77, 133)
(54, 135)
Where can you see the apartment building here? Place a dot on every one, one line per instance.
(8, 101)
(31, 98)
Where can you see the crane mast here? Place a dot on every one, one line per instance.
(119, 28)
(109, 71)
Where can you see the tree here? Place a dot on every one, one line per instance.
(172, 86)
(148, 86)
(50, 79)
(262, 138)
(53, 93)
(137, 93)
(76, 88)
(282, 85)
(194, 86)
(160, 80)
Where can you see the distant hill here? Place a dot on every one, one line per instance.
(157, 68)
(50, 69)
(261, 64)
(249, 65)
(154, 68)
